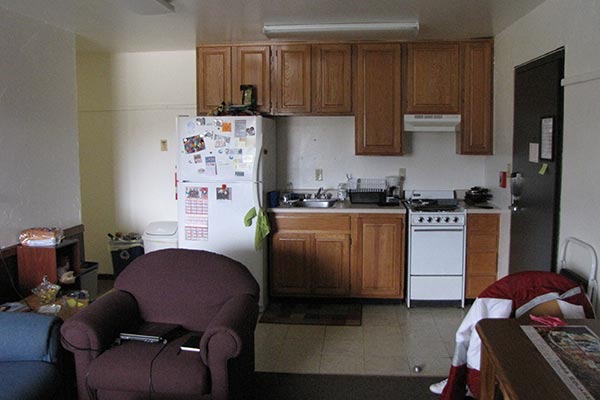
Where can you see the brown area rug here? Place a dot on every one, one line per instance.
(313, 314)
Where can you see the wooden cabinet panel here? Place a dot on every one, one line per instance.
(331, 266)
(291, 260)
(312, 222)
(485, 263)
(251, 65)
(292, 79)
(332, 79)
(36, 262)
(378, 258)
(476, 133)
(213, 68)
(377, 99)
(433, 78)
(476, 284)
(482, 252)
(483, 223)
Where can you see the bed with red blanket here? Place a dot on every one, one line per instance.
(516, 296)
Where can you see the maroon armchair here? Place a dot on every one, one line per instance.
(201, 291)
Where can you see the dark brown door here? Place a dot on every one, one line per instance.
(535, 215)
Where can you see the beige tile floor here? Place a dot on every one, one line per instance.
(391, 341)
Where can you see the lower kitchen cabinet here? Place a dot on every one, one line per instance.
(482, 252)
(337, 255)
(378, 256)
(310, 255)
(291, 258)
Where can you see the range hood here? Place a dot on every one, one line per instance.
(432, 122)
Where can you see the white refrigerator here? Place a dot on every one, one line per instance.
(226, 165)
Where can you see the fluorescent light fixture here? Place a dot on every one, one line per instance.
(350, 28)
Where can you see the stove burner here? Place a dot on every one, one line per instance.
(433, 205)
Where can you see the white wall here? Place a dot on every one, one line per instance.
(307, 143)
(128, 102)
(39, 167)
(574, 24)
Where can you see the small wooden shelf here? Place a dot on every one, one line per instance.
(36, 262)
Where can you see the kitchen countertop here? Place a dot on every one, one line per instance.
(347, 207)
(342, 207)
(476, 210)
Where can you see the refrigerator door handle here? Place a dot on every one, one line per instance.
(257, 199)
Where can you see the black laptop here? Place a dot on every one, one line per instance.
(152, 332)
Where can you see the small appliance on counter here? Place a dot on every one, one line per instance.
(478, 197)
(384, 192)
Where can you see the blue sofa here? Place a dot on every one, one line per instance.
(29, 357)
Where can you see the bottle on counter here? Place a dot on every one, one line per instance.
(342, 191)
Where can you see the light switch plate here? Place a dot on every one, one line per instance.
(163, 145)
(318, 174)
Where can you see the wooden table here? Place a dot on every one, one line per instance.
(65, 312)
(511, 359)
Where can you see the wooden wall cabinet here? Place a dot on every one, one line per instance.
(36, 262)
(251, 65)
(377, 99)
(310, 255)
(332, 79)
(221, 71)
(475, 136)
(292, 79)
(482, 252)
(213, 77)
(433, 78)
(378, 256)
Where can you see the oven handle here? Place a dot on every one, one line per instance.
(438, 229)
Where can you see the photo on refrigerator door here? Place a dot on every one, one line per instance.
(196, 213)
(193, 144)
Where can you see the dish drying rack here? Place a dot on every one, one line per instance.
(368, 191)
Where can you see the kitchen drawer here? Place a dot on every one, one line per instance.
(312, 222)
(483, 223)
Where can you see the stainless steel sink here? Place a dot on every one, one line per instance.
(316, 203)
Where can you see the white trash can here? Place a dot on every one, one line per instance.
(160, 235)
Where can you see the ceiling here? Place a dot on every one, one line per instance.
(118, 25)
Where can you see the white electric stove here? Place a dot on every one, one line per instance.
(436, 247)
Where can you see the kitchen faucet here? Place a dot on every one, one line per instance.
(319, 195)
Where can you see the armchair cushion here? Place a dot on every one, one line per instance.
(173, 371)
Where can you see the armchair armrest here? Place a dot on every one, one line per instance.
(28, 337)
(95, 328)
(224, 337)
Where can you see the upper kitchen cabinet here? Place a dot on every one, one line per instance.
(377, 99)
(213, 68)
(475, 136)
(292, 79)
(251, 65)
(332, 79)
(221, 71)
(433, 78)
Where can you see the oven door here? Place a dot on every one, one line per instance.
(437, 250)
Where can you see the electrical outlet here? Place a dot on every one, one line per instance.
(163, 145)
(402, 172)
(318, 174)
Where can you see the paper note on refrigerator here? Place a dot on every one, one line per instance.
(196, 213)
